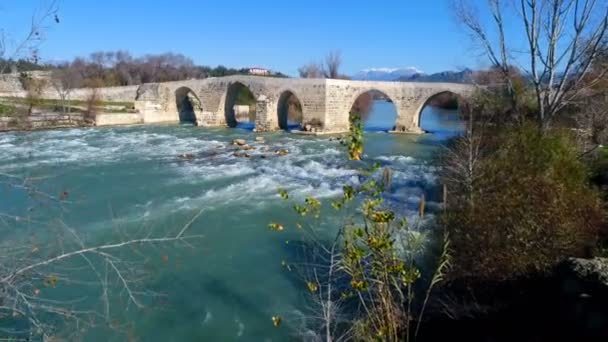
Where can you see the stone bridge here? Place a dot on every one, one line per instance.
(325, 103)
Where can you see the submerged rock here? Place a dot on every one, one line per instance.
(187, 156)
(282, 152)
(239, 142)
(247, 147)
(260, 139)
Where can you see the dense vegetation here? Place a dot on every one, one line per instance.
(527, 205)
(120, 68)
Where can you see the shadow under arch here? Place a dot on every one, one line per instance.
(188, 104)
(289, 110)
(366, 105)
(238, 94)
(440, 113)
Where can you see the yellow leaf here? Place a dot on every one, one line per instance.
(276, 226)
(277, 320)
(312, 286)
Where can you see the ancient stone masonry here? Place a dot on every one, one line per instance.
(325, 102)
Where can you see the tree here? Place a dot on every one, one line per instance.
(329, 69)
(591, 111)
(311, 70)
(64, 80)
(34, 88)
(43, 278)
(28, 45)
(333, 62)
(564, 38)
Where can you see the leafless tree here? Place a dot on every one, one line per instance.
(34, 87)
(462, 161)
(13, 48)
(333, 62)
(563, 38)
(312, 70)
(592, 120)
(329, 68)
(93, 102)
(320, 268)
(56, 282)
(64, 80)
(363, 105)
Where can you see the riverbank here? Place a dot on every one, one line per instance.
(41, 121)
(569, 304)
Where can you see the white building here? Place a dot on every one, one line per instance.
(259, 71)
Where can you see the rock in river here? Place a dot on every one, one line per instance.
(282, 152)
(239, 142)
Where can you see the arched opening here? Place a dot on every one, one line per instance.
(289, 110)
(240, 106)
(376, 111)
(188, 105)
(440, 114)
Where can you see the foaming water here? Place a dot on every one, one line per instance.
(232, 283)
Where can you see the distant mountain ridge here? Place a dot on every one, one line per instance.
(385, 74)
(464, 76)
(412, 74)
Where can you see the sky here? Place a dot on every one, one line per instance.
(279, 35)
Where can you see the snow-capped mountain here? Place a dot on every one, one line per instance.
(386, 74)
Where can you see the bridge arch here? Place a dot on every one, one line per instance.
(290, 111)
(451, 100)
(188, 105)
(238, 93)
(363, 102)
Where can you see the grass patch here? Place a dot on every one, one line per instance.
(7, 110)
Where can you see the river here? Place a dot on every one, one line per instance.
(229, 285)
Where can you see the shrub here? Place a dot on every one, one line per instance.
(7, 110)
(368, 284)
(93, 103)
(528, 205)
(34, 88)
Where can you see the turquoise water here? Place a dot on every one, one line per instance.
(230, 283)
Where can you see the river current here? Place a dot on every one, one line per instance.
(229, 285)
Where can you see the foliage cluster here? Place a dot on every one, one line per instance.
(368, 284)
(365, 284)
(521, 206)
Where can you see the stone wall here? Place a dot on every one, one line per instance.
(10, 86)
(10, 83)
(116, 119)
(42, 121)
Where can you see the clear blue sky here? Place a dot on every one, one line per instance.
(281, 35)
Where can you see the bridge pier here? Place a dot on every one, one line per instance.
(407, 119)
(265, 116)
